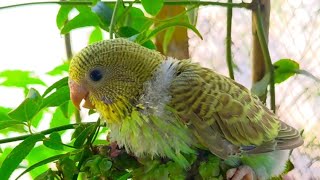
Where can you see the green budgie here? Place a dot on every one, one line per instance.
(158, 106)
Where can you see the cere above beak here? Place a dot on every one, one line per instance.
(79, 93)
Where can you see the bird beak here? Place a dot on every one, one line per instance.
(79, 93)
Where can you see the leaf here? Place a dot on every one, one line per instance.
(37, 118)
(83, 136)
(152, 7)
(60, 83)
(54, 141)
(28, 108)
(167, 38)
(41, 163)
(85, 18)
(4, 113)
(18, 154)
(47, 175)
(126, 31)
(96, 35)
(68, 168)
(59, 70)
(57, 98)
(104, 13)
(260, 88)
(18, 78)
(136, 19)
(283, 69)
(8, 123)
(62, 16)
(67, 109)
(58, 119)
(173, 24)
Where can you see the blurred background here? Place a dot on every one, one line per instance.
(30, 40)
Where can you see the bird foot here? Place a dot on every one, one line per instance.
(114, 151)
(241, 173)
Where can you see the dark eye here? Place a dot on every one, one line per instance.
(96, 75)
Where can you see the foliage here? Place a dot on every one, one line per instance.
(82, 153)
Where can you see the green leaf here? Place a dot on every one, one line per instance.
(4, 113)
(136, 19)
(126, 31)
(211, 168)
(152, 7)
(60, 83)
(58, 119)
(18, 78)
(67, 109)
(47, 175)
(62, 16)
(9, 123)
(37, 118)
(28, 108)
(18, 154)
(54, 141)
(59, 70)
(96, 35)
(167, 38)
(104, 13)
(173, 24)
(57, 98)
(260, 88)
(68, 168)
(283, 69)
(41, 163)
(85, 18)
(80, 140)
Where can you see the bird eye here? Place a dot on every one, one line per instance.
(95, 75)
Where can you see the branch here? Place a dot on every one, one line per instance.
(172, 3)
(113, 18)
(266, 55)
(45, 132)
(229, 41)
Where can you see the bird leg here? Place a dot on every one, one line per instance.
(241, 173)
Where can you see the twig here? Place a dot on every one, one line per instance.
(229, 41)
(113, 18)
(175, 2)
(265, 51)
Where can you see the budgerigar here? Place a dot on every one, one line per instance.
(160, 106)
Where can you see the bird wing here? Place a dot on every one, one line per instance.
(225, 116)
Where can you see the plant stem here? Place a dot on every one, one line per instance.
(113, 18)
(45, 132)
(266, 55)
(229, 41)
(174, 2)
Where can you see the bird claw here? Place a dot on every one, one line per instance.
(114, 151)
(241, 173)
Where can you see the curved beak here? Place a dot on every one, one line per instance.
(79, 93)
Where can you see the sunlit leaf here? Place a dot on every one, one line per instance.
(62, 16)
(96, 35)
(41, 163)
(4, 113)
(60, 83)
(54, 141)
(67, 109)
(37, 118)
(283, 69)
(9, 123)
(57, 98)
(18, 154)
(28, 108)
(59, 70)
(152, 7)
(85, 18)
(18, 78)
(58, 119)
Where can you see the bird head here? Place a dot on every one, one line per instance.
(110, 72)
